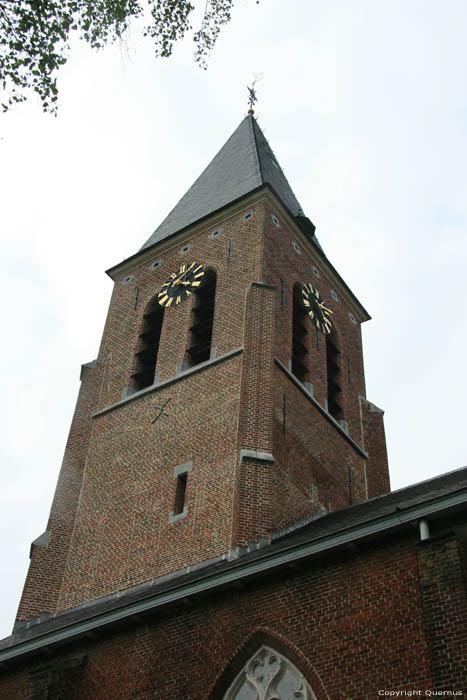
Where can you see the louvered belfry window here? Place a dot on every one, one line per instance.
(202, 318)
(148, 347)
(333, 364)
(299, 336)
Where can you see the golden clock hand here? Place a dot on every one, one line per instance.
(183, 274)
(324, 308)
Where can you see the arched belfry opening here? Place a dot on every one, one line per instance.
(300, 360)
(334, 377)
(148, 346)
(268, 674)
(202, 321)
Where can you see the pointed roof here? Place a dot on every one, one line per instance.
(243, 164)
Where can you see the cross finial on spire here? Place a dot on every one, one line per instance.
(252, 97)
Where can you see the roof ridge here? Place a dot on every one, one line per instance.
(244, 163)
(253, 121)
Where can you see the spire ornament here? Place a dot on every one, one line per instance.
(252, 99)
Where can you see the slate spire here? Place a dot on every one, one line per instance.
(244, 163)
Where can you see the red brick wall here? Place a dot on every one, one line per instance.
(258, 369)
(235, 255)
(254, 516)
(120, 534)
(312, 457)
(374, 442)
(282, 262)
(443, 586)
(44, 578)
(353, 623)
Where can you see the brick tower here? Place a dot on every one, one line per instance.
(222, 416)
(222, 527)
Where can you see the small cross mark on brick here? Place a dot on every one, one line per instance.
(161, 410)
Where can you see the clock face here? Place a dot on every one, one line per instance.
(317, 311)
(181, 284)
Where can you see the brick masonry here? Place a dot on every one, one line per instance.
(45, 575)
(264, 455)
(119, 463)
(442, 565)
(327, 617)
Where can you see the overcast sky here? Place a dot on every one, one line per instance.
(364, 104)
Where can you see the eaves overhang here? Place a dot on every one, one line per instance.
(302, 232)
(175, 238)
(250, 566)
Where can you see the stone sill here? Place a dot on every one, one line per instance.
(322, 410)
(162, 385)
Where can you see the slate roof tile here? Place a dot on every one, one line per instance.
(243, 164)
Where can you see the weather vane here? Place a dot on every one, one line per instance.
(252, 98)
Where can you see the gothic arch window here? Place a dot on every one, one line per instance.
(333, 365)
(148, 346)
(299, 336)
(202, 320)
(269, 676)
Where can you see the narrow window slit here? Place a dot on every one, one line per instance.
(180, 493)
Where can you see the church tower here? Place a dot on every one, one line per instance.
(222, 526)
(227, 403)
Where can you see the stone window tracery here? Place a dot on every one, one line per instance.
(269, 676)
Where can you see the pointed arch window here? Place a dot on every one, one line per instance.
(148, 347)
(269, 676)
(299, 336)
(333, 364)
(202, 320)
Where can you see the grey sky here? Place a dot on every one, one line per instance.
(364, 104)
